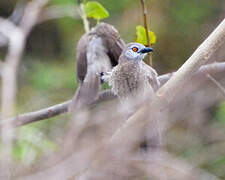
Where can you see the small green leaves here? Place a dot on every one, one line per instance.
(142, 38)
(95, 10)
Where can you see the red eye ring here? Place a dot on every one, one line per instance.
(135, 49)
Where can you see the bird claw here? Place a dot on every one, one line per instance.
(105, 76)
(101, 77)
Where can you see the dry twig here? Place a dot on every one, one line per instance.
(220, 87)
(145, 15)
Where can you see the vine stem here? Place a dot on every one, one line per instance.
(83, 16)
(144, 10)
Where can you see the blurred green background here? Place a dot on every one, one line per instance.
(47, 69)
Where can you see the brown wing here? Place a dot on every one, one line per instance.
(152, 76)
(96, 52)
(111, 40)
(81, 65)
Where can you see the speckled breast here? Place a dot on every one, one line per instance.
(127, 79)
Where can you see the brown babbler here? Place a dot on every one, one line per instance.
(132, 78)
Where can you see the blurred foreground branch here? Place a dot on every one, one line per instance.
(166, 94)
(58, 109)
(104, 156)
(16, 35)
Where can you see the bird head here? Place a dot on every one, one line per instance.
(136, 51)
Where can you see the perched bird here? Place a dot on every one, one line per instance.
(134, 82)
(132, 79)
(97, 51)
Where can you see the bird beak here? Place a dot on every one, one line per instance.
(146, 50)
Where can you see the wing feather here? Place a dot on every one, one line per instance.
(152, 76)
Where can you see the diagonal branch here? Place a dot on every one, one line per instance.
(51, 111)
(220, 87)
(166, 94)
(38, 115)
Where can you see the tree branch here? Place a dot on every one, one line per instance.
(58, 11)
(220, 87)
(61, 108)
(166, 94)
(17, 38)
(31, 15)
(38, 115)
(51, 111)
(145, 15)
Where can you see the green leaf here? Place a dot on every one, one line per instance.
(220, 113)
(142, 38)
(152, 37)
(95, 10)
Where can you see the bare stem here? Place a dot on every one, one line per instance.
(145, 16)
(83, 16)
(221, 88)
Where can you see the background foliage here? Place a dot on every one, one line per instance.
(47, 71)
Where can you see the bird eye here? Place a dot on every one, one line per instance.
(135, 49)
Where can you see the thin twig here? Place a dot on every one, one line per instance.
(145, 16)
(83, 16)
(221, 88)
